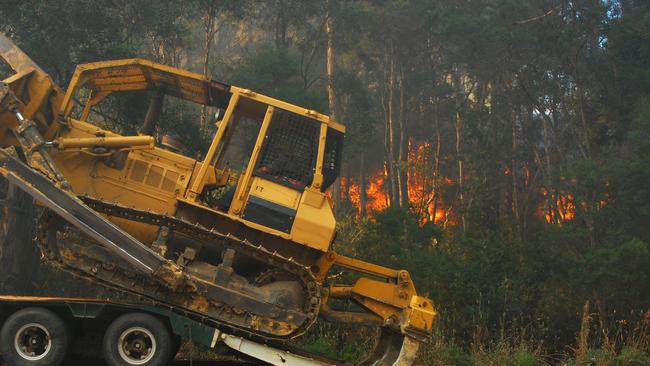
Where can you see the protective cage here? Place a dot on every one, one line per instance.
(290, 150)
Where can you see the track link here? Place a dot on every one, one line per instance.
(226, 317)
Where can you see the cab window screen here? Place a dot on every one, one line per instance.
(332, 160)
(290, 149)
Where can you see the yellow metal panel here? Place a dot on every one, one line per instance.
(314, 198)
(67, 104)
(125, 87)
(364, 267)
(199, 183)
(85, 129)
(169, 181)
(236, 218)
(420, 313)
(318, 174)
(138, 170)
(243, 186)
(337, 126)
(104, 83)
(383, 292)
(155, 175)
(314, 226)
(315, 116)
(149, 181)
(138, 74)
(275, 193)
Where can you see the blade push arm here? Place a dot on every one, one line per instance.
(389, 296)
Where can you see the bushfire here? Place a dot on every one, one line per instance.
(425, 202)
(557, 209)
(424, 188)
(427, 187)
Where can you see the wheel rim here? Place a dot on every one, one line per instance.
(33, 342)
(136, 346)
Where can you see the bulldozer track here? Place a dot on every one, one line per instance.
(229, 318)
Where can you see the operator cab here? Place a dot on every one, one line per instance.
(265, 155)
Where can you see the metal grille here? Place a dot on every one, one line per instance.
(290, 149)
(332, 159)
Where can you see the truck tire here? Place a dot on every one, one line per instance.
(34, 337)
(137, 339)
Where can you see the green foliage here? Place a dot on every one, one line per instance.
(396, 238)
(321, 346)
(274, 71)
(455, 356)
(628, 356)
(61, 34)
(525, 359)
(632, 357)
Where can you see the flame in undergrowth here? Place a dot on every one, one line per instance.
(561, 207)
(557, 208)
(376, 198)
(424, 190)
(426, 187)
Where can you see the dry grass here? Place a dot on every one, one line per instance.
(625, 348)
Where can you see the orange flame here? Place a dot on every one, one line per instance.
(425, 191)
(423, 197)
(558, 208)
(376, 198)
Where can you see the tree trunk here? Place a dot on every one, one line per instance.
(602, 321)
(390, 126)
(153, 113)
(513, 170)
(346, 194)
(363, 199)
(282, 24)
(581, 108)
(461, 178)
(583, 336)
(552, 194)
(436, 166)
(209, 22)
(402, 161)
(458, 129)
(331, 89)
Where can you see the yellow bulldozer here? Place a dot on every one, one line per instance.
(239, 239)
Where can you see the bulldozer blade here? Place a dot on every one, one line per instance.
(408, 352)
(397, 351)
(392, 349)
(78, 214)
